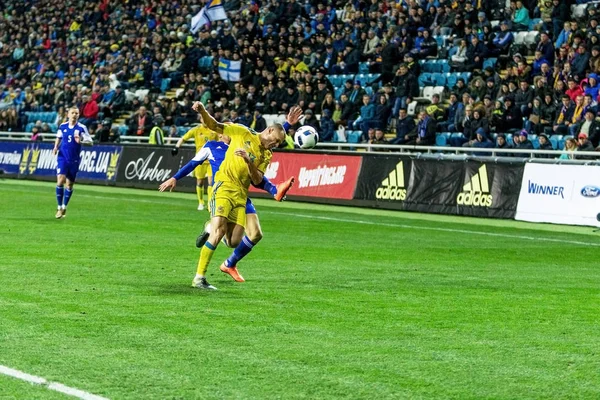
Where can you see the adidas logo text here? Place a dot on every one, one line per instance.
(392, 187)
(476, 192)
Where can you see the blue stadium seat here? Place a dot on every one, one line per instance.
(205, 63)
(122, 129)
(441, 140)
(554, 141)
(353, 136)
(534, 22)
(534, 141)
(29, 126)
(509, 138)
(363, 68)
(53, 127)
(335, 80)
(338, 92)
(182, 130)
(425, 79)
(490, 62)
(451, 80)
(466, 76)
(444, 66)
(440, 40)
(346, 77)
(439, 79)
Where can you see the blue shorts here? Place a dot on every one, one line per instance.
(68, 169)
(250, 207)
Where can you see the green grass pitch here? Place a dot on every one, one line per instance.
(338, 303)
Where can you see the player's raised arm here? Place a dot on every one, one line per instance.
(203, 155)
(208, 119)
(294, 115)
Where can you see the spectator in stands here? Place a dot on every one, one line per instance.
(434, 109)
(589, 125)
(89, 111)
(512, 115)
(406, 88)
(140, 123)
(157, 135)
(481, 141)
(544, 145)
(547, 115)
(524, 97)
(502, 41)
(559, 15)
(36, 136)
(327, 127)
(534, 116)
(521, 17)
(564, 116)
(501, 143)
(523, 143)
(475, 54)
(357, 93)
(448, 123)
(546, 48)
(583, 144)
(348, 110)
(424, 135)
(459, 59)
(569, 149)
(382, 112)
(405, 127)
(258, 122)
(311, 120)
(581, 61)
(379, 138)
(365, 119)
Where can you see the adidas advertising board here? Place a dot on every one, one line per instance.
(560, 194)
(383, 179)
(476, 192)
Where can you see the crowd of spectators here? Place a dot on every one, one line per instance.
(92, 54)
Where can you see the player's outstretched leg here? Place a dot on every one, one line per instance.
(200, 193)
(283, 188)
(251, 239)
(67, 197)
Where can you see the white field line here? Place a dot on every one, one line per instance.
(57, 387)
(430, 228)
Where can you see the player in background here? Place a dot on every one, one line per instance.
(69, 138)
(201, 135)
(245, 161)
(215, 152)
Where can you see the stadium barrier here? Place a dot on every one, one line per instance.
(432, 183)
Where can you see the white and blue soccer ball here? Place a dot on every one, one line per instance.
(306, 137)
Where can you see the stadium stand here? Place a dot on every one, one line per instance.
(124, 62)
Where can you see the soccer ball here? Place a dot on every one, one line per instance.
(306, 137)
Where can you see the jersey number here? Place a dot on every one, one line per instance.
(69, 139)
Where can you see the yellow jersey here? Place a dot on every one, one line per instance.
(234, 170)
(201, 135)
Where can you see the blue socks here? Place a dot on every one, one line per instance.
(68, 194)
(241, 250)
(60, 190)
(267, 186)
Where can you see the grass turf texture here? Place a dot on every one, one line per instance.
(101, 301)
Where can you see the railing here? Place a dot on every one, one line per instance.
(418, 151)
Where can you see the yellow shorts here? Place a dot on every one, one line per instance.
(229, 202)
(203, 170)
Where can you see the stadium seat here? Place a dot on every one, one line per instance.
(578, 10)
(441, 140)
(444, 66)
(424, 79)
(520, 37)
(466, 76)
(369, 90)
(336, 80)
(346, 77)
(534, 22)
(426, 96)
(439, 90)
(534, 140)
(531, 39)
(451, 79)
(354, 136)
(490, 62)
(363, 68)
(494, 23)
(438, 79)
(554, 141)
(411, 108)
(205, 63)
(338, 92)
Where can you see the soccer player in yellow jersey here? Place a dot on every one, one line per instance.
(201, 135)
(246, 160)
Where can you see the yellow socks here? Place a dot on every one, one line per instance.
(205, 256)
(200, 194)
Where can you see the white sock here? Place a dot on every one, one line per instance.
(198, 276)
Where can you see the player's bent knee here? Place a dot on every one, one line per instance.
(255, 237)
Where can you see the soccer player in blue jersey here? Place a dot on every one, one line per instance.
(214, 152)
(69, 138)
